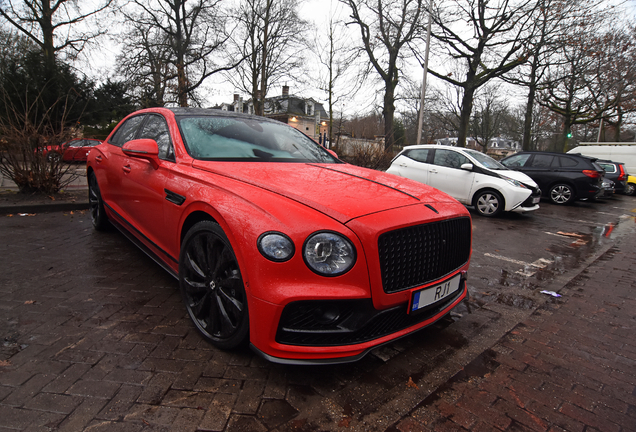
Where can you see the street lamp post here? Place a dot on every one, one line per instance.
(428, 46)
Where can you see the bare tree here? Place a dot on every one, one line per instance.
(53, 24)
(488, 116)
(146, 65)
(336, 77)
(615, 73)
(577, 93)
(270, 37)
(489, 38)
(389, 30)
(190, 33)
(432, 127)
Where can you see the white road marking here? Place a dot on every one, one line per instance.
(527, 271)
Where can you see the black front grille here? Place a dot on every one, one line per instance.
(359, 322)
(421, 254)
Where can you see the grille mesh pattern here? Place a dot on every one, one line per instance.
(420, 254)
(381, 323)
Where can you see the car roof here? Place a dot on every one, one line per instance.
(181, 111)
(590, 158)
(609, 161)
(433, 146)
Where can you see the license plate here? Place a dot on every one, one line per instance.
(536, 200)
(431, 295)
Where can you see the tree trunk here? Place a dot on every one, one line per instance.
(388, 112)
(48, 47)
(464, 117)
(532, 90)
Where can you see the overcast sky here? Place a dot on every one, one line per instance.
(101, 62)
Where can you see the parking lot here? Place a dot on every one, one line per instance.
(95, 335)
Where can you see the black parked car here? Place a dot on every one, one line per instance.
(563, 178)
(616, 172)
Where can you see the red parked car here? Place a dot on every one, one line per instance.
(276, 241)
(71, 151)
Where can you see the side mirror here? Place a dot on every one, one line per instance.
(333, 153)
(467, 166)
(143, 148)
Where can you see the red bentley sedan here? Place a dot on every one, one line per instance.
(74, 150)
(276, 241)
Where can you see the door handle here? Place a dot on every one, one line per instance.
(98, 158)
(126, 168)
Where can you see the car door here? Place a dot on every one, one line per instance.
(146, 186)
(70, 152)
(543, 169)
(109, 167)
(446, 174)
(413, 164)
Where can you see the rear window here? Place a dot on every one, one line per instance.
(608, 167)
(567, 162)
(419, 155)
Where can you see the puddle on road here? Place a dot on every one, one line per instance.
(515, 300)
(564, 255)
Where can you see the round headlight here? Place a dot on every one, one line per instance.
(276, 246)
(329, 254)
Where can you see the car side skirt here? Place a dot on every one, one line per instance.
(135, 236)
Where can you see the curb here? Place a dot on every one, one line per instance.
(44, 208)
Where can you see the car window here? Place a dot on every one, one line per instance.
(248, 139)
(608, 167)
(156, 128)
(77, 143)
(126, 131)
(485, 160)
(542, 161)
(419, 155)
(449, 158)
(516, 161)
(567, 162)
(91, 143)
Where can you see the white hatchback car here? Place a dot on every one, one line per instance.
(469, 176)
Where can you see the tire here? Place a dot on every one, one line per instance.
(96, 205)
(488, 203)
(53, 157)
(212, 287)
(561, 194)
(630, 189)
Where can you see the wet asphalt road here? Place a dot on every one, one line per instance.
(95, 335)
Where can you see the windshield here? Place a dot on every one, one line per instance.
(485, 160)
(248, 139)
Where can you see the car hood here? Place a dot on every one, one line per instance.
(517, 175)
(341, 191)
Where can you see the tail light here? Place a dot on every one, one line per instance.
(622, 176)
(592, 173)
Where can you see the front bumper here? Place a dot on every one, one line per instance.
(530, 204)
(301, 339)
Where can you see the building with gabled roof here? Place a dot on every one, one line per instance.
(305, 114)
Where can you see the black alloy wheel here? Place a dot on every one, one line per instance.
(54, 157)
(96, 205)
(561, 194)
(212, 287)
(489, 203)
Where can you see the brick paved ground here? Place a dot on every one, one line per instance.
(95, 337)
(571, 366)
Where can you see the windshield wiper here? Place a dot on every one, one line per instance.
(262, 154)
